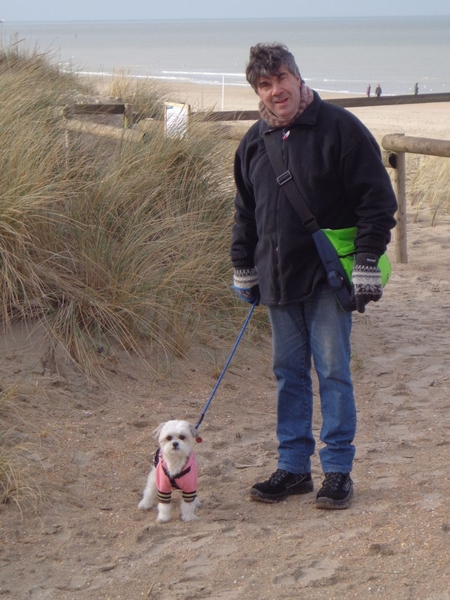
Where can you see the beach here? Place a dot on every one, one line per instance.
(88, 540)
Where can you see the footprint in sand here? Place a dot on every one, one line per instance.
(315, 571)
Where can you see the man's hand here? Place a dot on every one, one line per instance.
(366, 280)
(245, 284)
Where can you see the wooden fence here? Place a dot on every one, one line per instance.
(116, 107)
(253, 115)
(395, 145)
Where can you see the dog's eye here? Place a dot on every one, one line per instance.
(169, 437)
(182, 437)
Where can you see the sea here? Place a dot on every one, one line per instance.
(340, 55)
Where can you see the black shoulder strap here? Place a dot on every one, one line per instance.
(285, 180)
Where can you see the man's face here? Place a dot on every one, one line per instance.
(280, 93)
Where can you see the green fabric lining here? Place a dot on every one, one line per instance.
(344, 242)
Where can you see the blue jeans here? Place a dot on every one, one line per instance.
(314, 329)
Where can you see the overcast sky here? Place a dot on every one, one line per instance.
(91, 10)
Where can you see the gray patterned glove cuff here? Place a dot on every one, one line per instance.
(245, 284)
(245, 279)
(366, 280)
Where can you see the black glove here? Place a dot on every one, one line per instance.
(366, 280)
(245, 284)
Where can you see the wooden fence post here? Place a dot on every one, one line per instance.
(400, 143)
(67, 114)
(401, 247)
(128, 116)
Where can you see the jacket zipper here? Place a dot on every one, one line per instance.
(284, 138)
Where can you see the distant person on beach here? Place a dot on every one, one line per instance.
(368, 88)
(416, 89)
(337, 164)
(378, 91)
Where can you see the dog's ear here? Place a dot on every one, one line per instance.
(157, 431)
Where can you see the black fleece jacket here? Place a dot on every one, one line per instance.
(336, 162)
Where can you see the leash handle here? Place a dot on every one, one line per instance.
(236, 344)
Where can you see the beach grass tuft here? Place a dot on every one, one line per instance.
(429, 187)
(109, 243)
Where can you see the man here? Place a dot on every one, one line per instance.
(336, 162)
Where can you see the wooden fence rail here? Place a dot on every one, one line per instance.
(417, 145)
(253, 115)
(118, 108)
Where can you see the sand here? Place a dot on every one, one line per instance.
(92, 447)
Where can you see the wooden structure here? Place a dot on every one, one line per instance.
(397, 145)
(253, 115)
(115, 107)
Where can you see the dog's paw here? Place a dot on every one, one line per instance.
(160, 519)
(144, 505)
(187, 518)
(164, 512)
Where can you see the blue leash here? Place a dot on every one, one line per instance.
(241, 333)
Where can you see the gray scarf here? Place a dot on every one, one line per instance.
(306, 97)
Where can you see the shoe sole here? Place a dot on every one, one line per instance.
(304, 488)
(330, 504)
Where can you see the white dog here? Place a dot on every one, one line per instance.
(175, 468)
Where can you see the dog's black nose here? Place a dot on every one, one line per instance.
(175, 444)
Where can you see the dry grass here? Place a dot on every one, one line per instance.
(429, 186)
(108, 243)
(144, 95)
(19, 465)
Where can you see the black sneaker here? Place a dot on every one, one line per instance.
(280, 485)
(336, 491)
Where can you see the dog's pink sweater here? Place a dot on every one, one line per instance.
(186, 481)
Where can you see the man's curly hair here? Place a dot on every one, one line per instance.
(266, 60)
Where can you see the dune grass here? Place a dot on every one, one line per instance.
(108, 243)
(19, 465)
(429, 186)
(143, 94)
